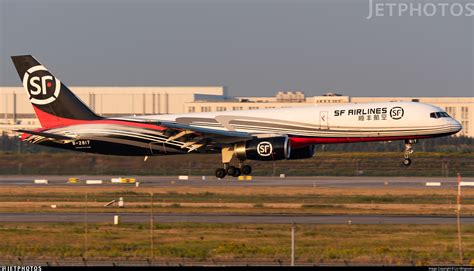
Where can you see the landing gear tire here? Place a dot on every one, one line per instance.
(406, 162)
(246, 170)
(408, 150)
(237, 172)
(231, 170)
(220, 173)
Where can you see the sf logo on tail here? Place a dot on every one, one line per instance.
(43, 88)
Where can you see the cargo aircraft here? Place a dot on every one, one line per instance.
(264, 134)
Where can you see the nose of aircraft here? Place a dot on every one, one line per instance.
(456, 125)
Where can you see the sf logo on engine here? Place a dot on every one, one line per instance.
(42, 87)
(396, 113)
(264, 148)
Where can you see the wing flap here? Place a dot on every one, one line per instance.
(188, 129)
(205, 131)
(196, 137)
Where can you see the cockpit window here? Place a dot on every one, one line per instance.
(437, 115)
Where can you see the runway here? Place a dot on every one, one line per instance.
(197, 181)
(232, 218)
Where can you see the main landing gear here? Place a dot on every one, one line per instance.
(233, 171)
(227, 154)
(408, 150)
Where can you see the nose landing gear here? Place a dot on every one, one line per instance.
(408, 150)
(406, 162)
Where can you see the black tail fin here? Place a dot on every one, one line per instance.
(54, 104)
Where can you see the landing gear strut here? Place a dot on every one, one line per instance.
(408, 150)
(227, 154)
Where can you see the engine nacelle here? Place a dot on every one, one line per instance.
(303, 153)
(264, 149)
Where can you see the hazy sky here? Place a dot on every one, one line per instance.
(254, 47)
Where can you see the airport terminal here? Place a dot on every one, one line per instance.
(16, 111)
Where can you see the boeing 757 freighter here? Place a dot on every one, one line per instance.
(265, 134)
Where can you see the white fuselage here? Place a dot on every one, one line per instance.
(392, 119)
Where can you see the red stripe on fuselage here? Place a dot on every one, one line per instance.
(299, 142)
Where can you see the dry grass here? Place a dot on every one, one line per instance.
(230, 190)
(207, 243)
(243, 208)
(186, 199)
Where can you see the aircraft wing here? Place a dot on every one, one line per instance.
(207, 131)
(195, 137)
(239, 136)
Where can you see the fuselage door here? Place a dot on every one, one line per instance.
(323, 119)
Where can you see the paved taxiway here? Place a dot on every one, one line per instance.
(232, 218)
(361, 182)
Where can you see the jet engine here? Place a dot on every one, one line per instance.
(303, 153)
(264, 149)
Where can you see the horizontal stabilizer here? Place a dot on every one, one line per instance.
(47, 135)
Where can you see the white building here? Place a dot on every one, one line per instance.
(16, 110)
